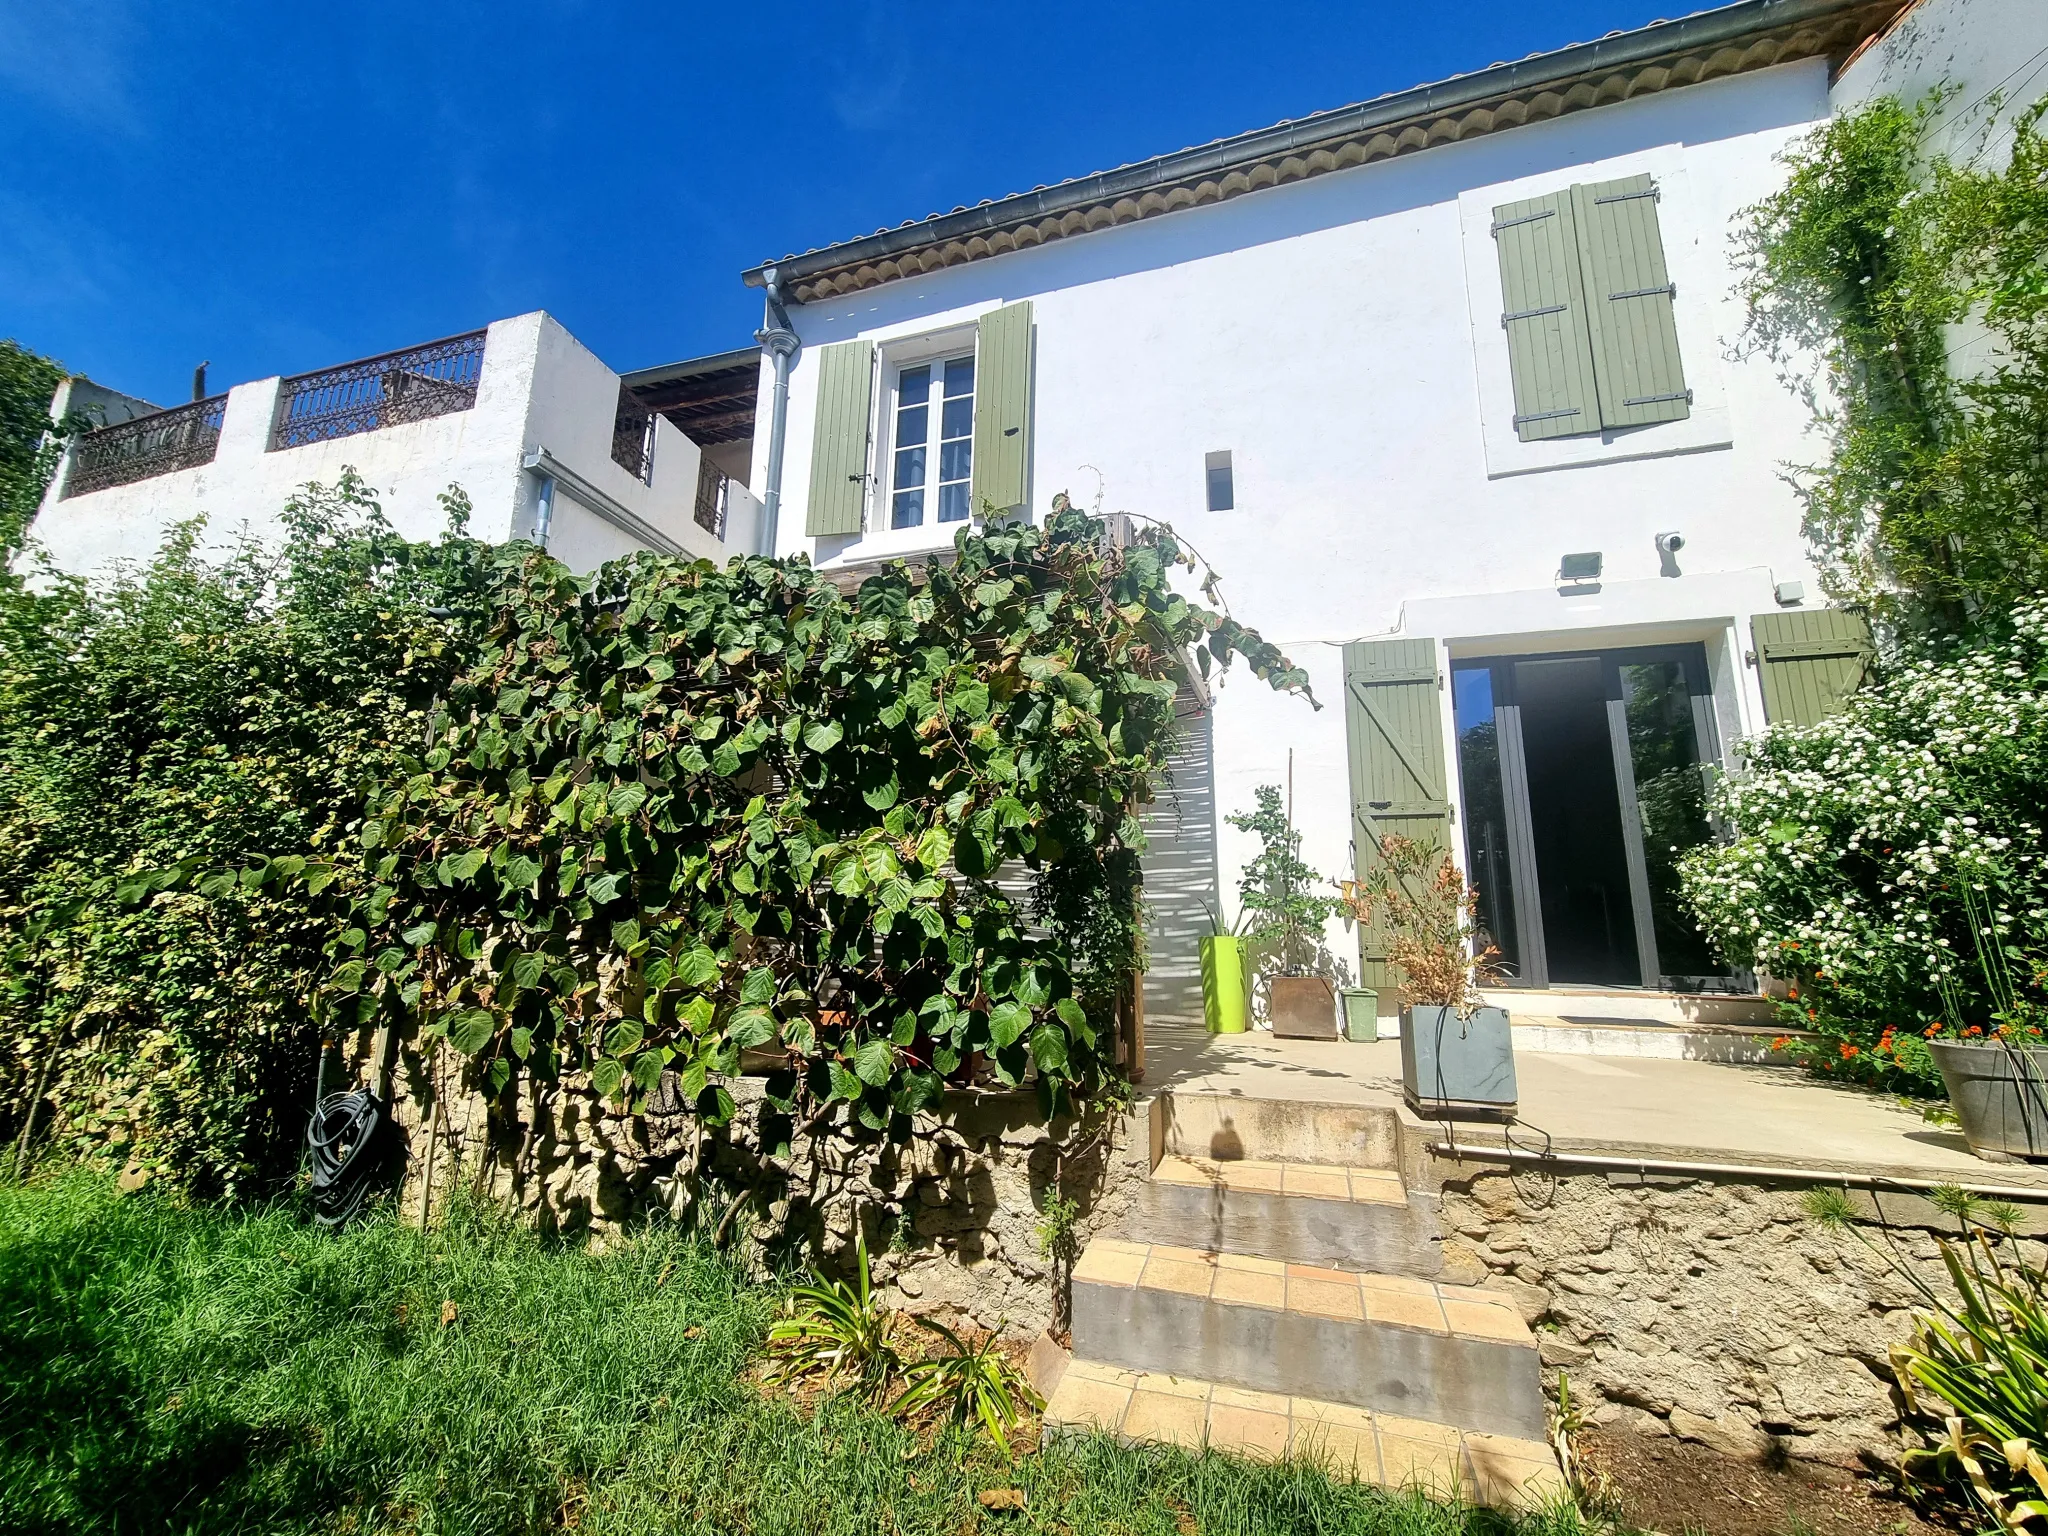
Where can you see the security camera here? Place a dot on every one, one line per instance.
(1670, 543)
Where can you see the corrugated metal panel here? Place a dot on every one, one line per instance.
(1543, 311)
(1393, 719)
(1002, 408)
(1810, 661)
(1181, 882)
(839, 442)
(1629, 303)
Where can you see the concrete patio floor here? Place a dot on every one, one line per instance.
(1696, 1111)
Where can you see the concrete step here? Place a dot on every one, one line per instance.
(1227, 1128)
(1306, 1213)
(1346, 1441)
(1448, 1354)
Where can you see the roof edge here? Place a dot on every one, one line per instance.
(1747, 20)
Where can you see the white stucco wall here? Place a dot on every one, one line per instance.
(539, 388)
(1330, 335)
(1994, 53)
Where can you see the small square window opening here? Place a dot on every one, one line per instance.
(1222, 492)
(924, 438)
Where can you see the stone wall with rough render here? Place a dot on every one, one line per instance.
(951, 1215)
(1717, 1312)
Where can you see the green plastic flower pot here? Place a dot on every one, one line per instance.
(1361, 1006)
(1223, 994)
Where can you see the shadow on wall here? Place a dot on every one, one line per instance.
(1180, 872)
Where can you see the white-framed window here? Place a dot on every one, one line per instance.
(930, 465)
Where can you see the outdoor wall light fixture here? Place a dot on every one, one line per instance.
(1580, 567)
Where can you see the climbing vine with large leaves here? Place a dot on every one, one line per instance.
(675, 817)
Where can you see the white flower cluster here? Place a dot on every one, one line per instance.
(1853, 837)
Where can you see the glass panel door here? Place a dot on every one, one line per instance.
(1661, 704)
(1486, 819)
(1584, 782)
(1575, 822)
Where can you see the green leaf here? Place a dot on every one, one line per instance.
(626, 932)
(1071, 1013)
(470, 1029)
(823, 738)
(750, 1027)
(874, 1062)
(694, 1077)
(844, 1084)
(1049, 1048)
(647, 1069)
(697, 968)
(1007, 1021)
(624, 1036)
(625, 799)
(606, 1074)
(759, 987)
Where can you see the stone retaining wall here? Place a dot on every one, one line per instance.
(1718, 1312)
(951, 1215)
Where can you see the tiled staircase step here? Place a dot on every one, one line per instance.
(1320, 1181)
(1308, 1213)
(1347, 1441)
(1392, 1343)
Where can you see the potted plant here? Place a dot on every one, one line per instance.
(1995, 1067)
(1457, 1053)
(1295, 974)
(1226, 989)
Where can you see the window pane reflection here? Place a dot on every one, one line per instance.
(1671, 797)
(1485, 807)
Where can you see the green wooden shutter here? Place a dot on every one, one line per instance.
(839, 441)
(1002, 408)
(1543, 311)
(1810, 661)
(1629, 303)
(1394, 722)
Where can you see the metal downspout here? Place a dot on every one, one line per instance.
(777, 335)
(544, 510)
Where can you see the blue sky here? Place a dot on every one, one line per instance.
(278, 188)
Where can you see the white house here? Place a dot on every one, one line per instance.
(1444, 385)
(548, 443)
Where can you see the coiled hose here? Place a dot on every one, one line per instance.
(344, 1140)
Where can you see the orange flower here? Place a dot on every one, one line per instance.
(1848, 1050)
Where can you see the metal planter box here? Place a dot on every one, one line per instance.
(1302, 1008)
(1449, 1064)
(2000, 1094)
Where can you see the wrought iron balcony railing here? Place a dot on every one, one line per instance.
(711, 498)
(183, 437)
(633, 437)
(411, 385)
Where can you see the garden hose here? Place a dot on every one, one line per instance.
(343, 1141)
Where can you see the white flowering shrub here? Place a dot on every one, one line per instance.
(1862, 846)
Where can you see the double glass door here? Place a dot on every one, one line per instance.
(1585, 779)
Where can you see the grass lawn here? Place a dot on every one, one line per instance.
(173, 1370)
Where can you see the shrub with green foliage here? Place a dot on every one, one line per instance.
(674, 813)
(29, 448)
(1874, 257)
(1880, 859)
(194, 720)
(610, 825)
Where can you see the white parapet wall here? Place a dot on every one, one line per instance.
(543, 419)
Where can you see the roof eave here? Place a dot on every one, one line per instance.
(1748, 21)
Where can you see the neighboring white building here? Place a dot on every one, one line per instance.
(548, 443)
(1444, 386)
